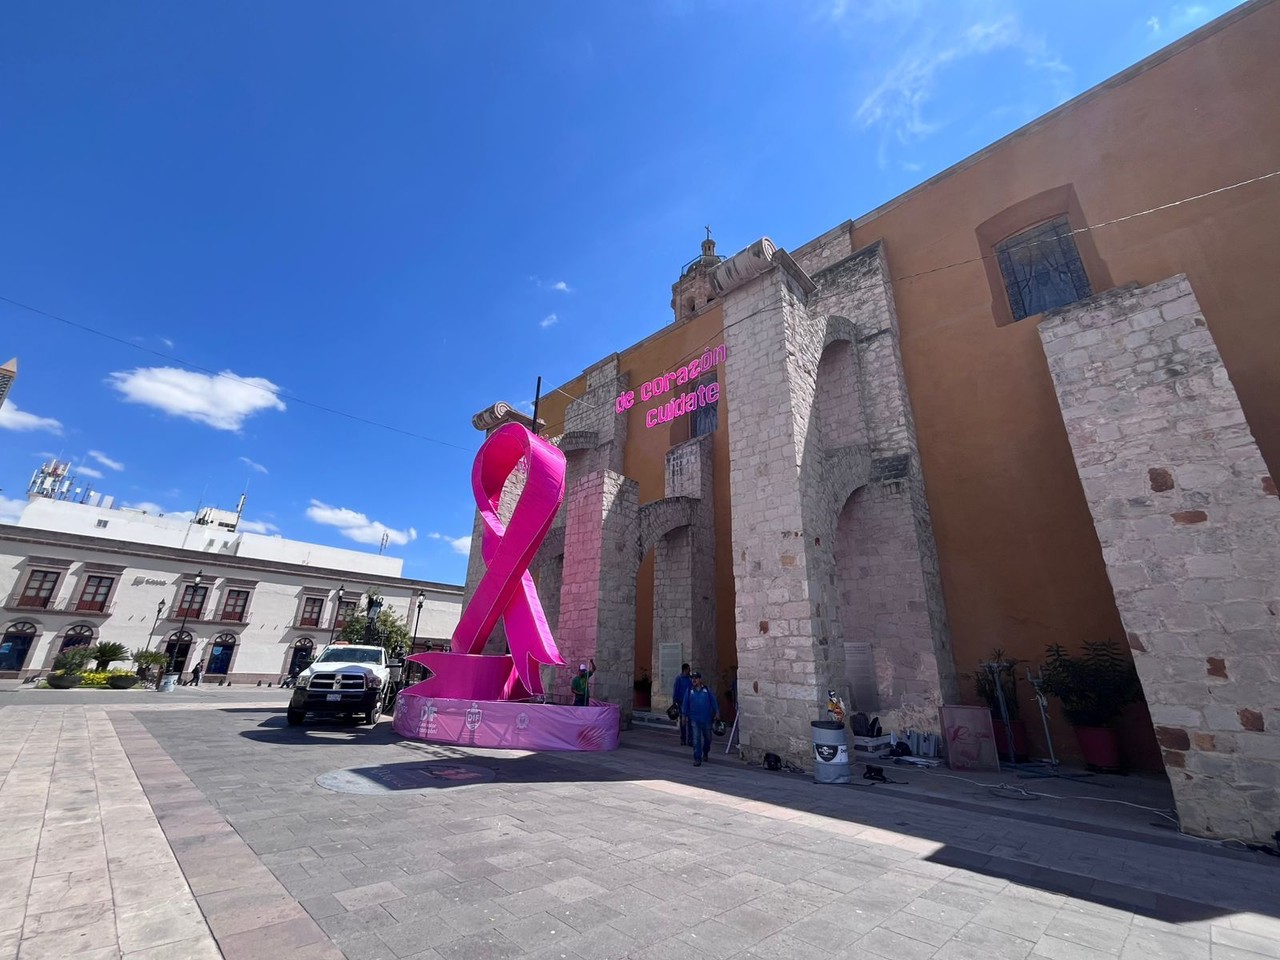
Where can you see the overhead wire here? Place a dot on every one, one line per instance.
(302, 401)
(225, 375)
(971, 260)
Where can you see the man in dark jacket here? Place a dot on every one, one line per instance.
(701, 708)
(684, 683)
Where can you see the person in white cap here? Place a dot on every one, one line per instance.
(581, 684)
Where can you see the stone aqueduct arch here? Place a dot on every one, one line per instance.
(823, 467)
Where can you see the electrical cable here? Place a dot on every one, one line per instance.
(978, 259)
(231, 376)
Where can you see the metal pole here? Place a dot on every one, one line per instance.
(337, 608)
(537, 396)
(416, 621)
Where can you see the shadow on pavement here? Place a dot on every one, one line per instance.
(649, 759)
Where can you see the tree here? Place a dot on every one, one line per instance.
(391, 630)
(107, 653)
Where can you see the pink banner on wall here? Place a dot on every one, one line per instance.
(507, 725)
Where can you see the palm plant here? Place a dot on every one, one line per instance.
(151, 660)
(106, 653)
(1095, 686)
(72, 661)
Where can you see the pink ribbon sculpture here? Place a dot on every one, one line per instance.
(491, 701)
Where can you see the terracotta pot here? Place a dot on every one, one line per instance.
(1100, 747)
(1020, 750)
(64, 681)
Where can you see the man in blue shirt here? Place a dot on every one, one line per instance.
(701, 708)
(684, 683)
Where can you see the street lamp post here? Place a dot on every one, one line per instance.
(337, 609)
(417, 620)
(186, 608)
(155, 623)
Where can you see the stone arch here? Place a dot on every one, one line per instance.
(661, 517)
(838, 413)
(17, 643)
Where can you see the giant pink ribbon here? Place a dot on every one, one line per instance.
(506, 590)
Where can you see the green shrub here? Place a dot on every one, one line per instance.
(1095, 687)
(72, 660)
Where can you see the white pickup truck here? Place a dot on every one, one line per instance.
(346, 679)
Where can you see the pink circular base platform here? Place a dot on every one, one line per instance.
(507, 724)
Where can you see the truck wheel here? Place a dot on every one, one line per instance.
(371, 717)
(294, 717)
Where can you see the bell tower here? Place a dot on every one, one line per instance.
(693, 290)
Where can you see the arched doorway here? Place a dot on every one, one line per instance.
(220, 654)
(177, 650)
(78, 636)
(16, 644)
(303, 650)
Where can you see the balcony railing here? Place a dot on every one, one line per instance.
(308, 623)
(33, 603)
(231, 616)
(76, 607)
(190, 613)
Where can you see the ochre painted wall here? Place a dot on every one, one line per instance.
(1021, 565)
(644, 460)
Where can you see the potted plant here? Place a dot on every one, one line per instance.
(644, 692)
(1094, 688)
(121, 680)
(985, 681)
(151, 662)
(68, 667)
(105, 654)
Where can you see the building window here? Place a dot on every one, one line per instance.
(102, 524)
(312, 609)
(39, 589)
(191, 605)
(76, 637)
(346, 610)
(706, 418)
(94, 595)
(233, 608)
(177, 650)
(224, 646)
(16, 645)
(1042, 269)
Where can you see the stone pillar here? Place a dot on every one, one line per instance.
(598, 589)
(1189, 524)
(784, 662)
(684, 569)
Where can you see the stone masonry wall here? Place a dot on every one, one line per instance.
(1189, 524)
(598, 586)
(684, 568)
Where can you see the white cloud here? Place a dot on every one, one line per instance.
(223, 401)
(155, 510)
(358, 527)
(550, 320)
(11, 418)
(84, 471)
(1154, 24)
(257, 526)
(168, 344)
(460, 545)
(559, 286)
(10, 508)
(1182, 18)
(106, 461)
(934, 38)
(253, 466)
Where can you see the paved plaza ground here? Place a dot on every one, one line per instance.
(191, 825)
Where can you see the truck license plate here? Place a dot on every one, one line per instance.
(333, 696)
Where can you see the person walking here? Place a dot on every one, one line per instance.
(196, 672)
(581, 685)
(684, 683)
(702, 710)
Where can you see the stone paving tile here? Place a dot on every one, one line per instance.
(624, 858)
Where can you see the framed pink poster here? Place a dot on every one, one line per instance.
(970, 740)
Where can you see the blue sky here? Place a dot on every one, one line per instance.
(405, 211)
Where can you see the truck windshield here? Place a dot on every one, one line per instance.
(350, 655)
